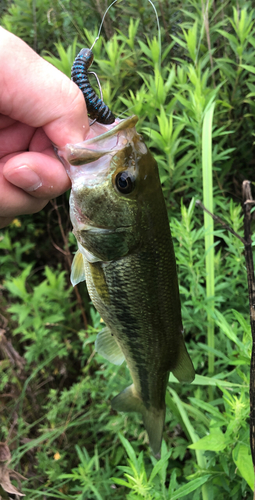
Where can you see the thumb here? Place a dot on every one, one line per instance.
(41, 96)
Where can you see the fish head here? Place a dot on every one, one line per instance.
(112, 174)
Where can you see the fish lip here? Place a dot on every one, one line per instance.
(118, 126)
(102, 230)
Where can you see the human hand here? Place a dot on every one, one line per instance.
(38, 106)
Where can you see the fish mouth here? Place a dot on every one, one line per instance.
(105, 230)
(106, 131)
(102, 230)
(104, 140)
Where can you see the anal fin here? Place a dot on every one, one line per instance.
(107, 347)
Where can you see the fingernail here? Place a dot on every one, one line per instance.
(25, 178)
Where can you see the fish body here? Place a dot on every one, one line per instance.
(126, 255)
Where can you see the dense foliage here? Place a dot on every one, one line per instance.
(55, 390)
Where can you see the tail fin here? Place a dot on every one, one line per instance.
(129, 400)
(154, 423)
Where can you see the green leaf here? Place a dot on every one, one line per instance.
(188, 488)
(243, 323)
(121, 482)
(215, 441)
(129, 449)
(207, 407)
(228, 329)
(242, 458)
(232, 39)
(159, 465)
(203, 380)
(248, 68)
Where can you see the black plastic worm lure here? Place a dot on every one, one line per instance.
(96, 108)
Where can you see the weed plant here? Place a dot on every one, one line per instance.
(196, 114)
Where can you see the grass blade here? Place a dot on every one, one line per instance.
(208, 225)
(201, 460)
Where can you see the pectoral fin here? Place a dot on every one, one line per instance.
(184, 370)
(107, 346)
(129, 400)
(77, 269)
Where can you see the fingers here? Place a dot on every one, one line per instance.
(5, 221)
(15, 201)
(5, 121)
(42, 96)
(41, 175)
(28, 181)
(15, 137)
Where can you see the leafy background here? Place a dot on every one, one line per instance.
(55, 391)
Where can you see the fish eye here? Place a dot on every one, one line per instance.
(125, 182)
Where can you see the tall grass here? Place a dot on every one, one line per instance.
(207, 173)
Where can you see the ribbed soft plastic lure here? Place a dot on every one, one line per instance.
(96, 108)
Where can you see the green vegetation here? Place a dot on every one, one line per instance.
(55, 390)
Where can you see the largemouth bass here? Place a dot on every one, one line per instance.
(125, 253)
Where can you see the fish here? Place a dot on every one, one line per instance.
(126, 255)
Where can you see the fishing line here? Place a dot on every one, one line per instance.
(96, 108)
(101, 25)
(159, 43)
(158, 25)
